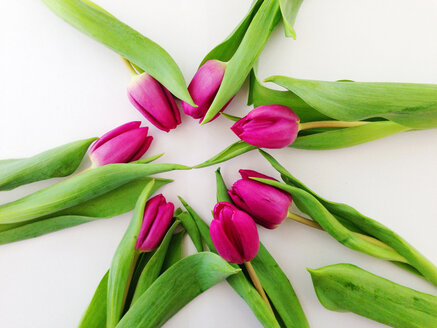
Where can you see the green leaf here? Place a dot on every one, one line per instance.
(95, 315)
(128, 43)
(222, 190)
(261, 95)
(56, 162)
(234, 150)
(123, 262)
(191, 227)
(113, 203)
(411, 104)
(238, 281)
(175, 288)
(369, 226)
(153, 267)
(279, 289)
(225, 50)
(239, 66)
(174, 253)
(78, 189)
(289, 10)
(348, 288)
(348, 137)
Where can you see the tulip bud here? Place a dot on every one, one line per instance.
(234, 233)
(204, 87)
(268, 126)
(154, 102)
(266, 204)
(124, 144)
(156, 220)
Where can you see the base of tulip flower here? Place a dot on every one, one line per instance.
(257, 283)
(330, 124)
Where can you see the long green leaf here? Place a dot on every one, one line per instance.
(153, 267)
(234, 150)
(78, 189)
(225, 50)
(346, 287)
(238, 68)
(371, 227)
(174, 253)
(289, 9)
(56, 162)
(105, 28)
(95, 315)
(175, 288)
(191, 227)
(410, 104)
(123, 262)
(222, 190)
(348, 137)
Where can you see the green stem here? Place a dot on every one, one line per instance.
(330, 124)
(131, 70)
(257, 283)
(315, 225)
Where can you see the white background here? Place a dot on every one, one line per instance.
(57, 85)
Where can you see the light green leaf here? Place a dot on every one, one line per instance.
(95, 315)
(128, 43)
(234, 150)
(238, 68)
(346, 287)
(289, 10)
(411, 104)
(56, 162)
(175, 288)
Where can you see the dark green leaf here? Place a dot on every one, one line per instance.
(95, 315)
(191, 227)
(174, 253)
(237, 148)
(222, 190)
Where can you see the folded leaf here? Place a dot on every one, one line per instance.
(78, 189)
(346, 287)
(174, 253)
(239, 66)
(57, 162)
(191, 227)
(105, 28)
(175, 288)
(410, 104)
(289, 9)
(95, 315)
(234, 150)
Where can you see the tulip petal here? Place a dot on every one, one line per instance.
(245, 228)
(246, 174)
(115, 132)
(222, 243)
(159, 227)
(150, 211)
(143, 149)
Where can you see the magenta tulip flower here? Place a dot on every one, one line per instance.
(268, 126)
(234, 234)
(157, 218)
(204, 87)
(124, 144)
(266, 204)
(154, 102)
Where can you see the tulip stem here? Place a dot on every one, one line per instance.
(257, 283)
(330, 124)
(129, 66)
(315, 225)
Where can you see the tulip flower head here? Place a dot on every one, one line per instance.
(234, 233)
(154, 102)
(204, 87)
(156, 221)
(124, 144)
(268, 126)
(266, 204)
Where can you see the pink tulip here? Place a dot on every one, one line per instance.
(266, 204)
(268, 126)
(234, 234)
(204, 87)
(154, 102)
(157, 218)
(124, 144)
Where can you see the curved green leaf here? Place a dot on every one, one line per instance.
(105, 28)
(234, 150)
(225, 50)
(78, 189)
(191, 227)
(175, 288)
(95, 315)
(346, 287)
(57, 162)
(348, 137)
(248, 51)
(123, 262)
(174, 253)
(411, 104)
(289, 9)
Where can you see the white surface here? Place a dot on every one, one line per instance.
(58, 85)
